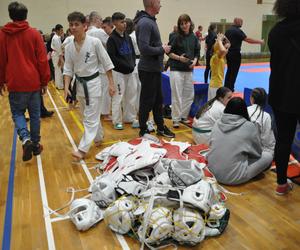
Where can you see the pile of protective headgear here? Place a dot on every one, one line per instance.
(159, 192)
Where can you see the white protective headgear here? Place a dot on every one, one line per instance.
(189, 226)
(162, 179)
(217, 220)
(200, 195)
(184, 173)
(127, 185)
(162, 166)
(84, 213)
(103, 190)
(119, 215)
(159, 226)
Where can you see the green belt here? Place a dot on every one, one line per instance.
(83, 81)
(201, 131)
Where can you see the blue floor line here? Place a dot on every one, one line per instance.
(9, 199)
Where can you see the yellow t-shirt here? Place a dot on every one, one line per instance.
(217, 66)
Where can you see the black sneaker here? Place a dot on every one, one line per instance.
(47, 114)
(27, 150)
(166, 132)
(37, 149)
(142, 132)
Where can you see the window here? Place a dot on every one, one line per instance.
(222, 26)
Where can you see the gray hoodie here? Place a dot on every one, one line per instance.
(149, 43)
(235, 144)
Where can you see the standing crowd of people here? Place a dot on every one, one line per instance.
(112, 68)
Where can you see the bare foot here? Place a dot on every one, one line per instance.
(97, 143)
(79, 155)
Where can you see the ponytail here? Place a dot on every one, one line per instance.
(221, 93)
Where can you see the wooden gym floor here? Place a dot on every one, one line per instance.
(259, 218)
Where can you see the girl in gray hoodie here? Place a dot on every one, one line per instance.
(236, 154)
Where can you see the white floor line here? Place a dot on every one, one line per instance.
(59, 219)
(120, 238)
(84, 166)
(49, 230)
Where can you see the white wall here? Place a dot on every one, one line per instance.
(44, 14)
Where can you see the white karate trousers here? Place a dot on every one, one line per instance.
(182, 89)
(93, 130)
(106, 98)
(125, 96)
(58, 75)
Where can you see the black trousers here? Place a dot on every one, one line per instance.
(150, 99)
(286, 127)
(233, 66)
(43, 108)
(207, 67)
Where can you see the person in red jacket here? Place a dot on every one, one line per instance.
(25, 72)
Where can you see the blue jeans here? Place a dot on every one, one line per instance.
(19, 102)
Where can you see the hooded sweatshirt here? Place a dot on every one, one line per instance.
(149, 43)
(284, 44)
(234, 144)
(121, 52)
(23, 59)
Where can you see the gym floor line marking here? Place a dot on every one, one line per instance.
(48, 225)
(120, 238)
(6, 240)
(79, 125)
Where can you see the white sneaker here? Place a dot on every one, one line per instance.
(175, 124)
(135, 124)
(150, 126)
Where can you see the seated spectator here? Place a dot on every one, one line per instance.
(236, 154)
(257, 115)
(209, 114)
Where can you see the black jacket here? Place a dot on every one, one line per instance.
(284, 87)
(149, 43)
(121, 52)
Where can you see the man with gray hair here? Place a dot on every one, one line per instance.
(150, 67)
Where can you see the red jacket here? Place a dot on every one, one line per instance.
(23, 60)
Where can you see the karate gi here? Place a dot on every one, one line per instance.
(106, 98)
(86, 63)
(56, 53)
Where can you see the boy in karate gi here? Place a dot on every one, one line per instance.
(82, 58)
(121, 52)
(57, 52)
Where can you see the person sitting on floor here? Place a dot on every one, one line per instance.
(236, 153)
(209, 114)
(257, 115)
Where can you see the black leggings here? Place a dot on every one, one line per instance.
(286, 127)
(233, 66)
(207, 67)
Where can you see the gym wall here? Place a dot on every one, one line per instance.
(44, 14)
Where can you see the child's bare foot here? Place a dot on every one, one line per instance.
(79, 155)
(97, 143)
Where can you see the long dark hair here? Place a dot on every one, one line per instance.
(260, 97)
(287, 8)
(221, 93)
(180, 34)
(211, 27)
(184, 18)
(237, 106)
